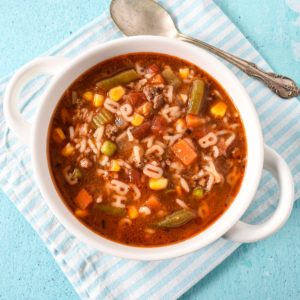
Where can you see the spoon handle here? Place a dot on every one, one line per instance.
(283, 86)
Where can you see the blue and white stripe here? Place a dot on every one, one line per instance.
(98, 276)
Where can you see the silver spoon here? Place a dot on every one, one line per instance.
(146, 17)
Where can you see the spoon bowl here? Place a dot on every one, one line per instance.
(146, 17)
(135, 17)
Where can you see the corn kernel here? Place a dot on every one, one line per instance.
(116, 93)
(146, 108)
(98, 100)
(58, 135)
(184, 72)
(114, 166)
(88, 96)
(157, 184)
(219, 109)
(132, 212)
(137, 119)
(80, 213)
(67, 150)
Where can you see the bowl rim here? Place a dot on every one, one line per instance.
(173, 47)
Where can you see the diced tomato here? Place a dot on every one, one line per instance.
(65, 116)
(154, 69)
(184, 151)
(83, 199)
(159, 125)
(136, 98)
(200, 132)
(142, 130)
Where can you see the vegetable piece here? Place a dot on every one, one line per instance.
(108, 148)
(88, 96)
(83, 199)
(65, 115)
(67, 150)
(114, 166)
(184, 152)
(179, 190)
(198, 193)
(104, 117)
(146, 109)
(171, 77)
(158, 184)
(120, 78)
(193, 121)
(58, 135)
(180, 125)
(76, 174)
(196, 97)
(98, 100)
(177, 219)
(110, 210)
(132, 212)
(136, 98)
(80, 213)
(137, 119)
(157, 79)
(154, 69)
(116, 93)
(184, 72)
(169, 191)
(141, 131)
(219, 109)
(153, 202)
(159, 125)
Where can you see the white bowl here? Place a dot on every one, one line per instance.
(66, 71)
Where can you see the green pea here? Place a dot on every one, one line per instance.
(108, 148)
(198, 193)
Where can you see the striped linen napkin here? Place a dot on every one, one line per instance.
(95, 275)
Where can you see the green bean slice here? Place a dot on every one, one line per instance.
(110, 210)
(120, 78)
(196, 97)
(76, 174)
(104, 117)
(171, 77)
(177, 219)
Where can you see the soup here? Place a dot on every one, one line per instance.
(146, 149)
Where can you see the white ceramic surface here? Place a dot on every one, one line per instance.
(65, 71)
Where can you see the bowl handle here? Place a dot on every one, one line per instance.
(15, 121)
(245, 233)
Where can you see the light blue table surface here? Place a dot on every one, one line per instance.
(269, 269)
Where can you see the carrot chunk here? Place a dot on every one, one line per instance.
(193, 121)
(83, 199)
(184, 151)
(157, 79)
(153, 202)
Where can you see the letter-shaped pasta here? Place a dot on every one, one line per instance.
(119, 187)
(111, 105)
(152, 171)
(126, 112)
(208, 140)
